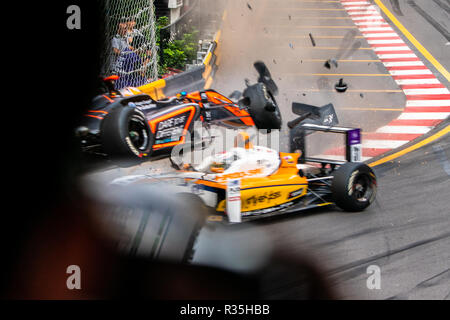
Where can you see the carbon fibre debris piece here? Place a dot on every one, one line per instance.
(312, 40)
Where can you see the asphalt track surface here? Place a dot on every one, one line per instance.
(406, 232)
(429, 21)
(278, 34)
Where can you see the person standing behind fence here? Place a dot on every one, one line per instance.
(131, 29)
(125, 62)
(119, 43)
(129, 67)
(141, 47)
(139, 44)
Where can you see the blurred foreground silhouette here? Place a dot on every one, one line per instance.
(54, 221)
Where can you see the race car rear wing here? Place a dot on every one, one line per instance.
(353, 150)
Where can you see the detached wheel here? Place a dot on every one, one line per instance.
(126, 136)
(354, 186)
(262, 107)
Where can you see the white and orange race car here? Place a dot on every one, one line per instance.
(248, 182)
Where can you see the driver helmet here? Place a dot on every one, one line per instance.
(223, 162)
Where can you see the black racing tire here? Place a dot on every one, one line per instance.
(262, 107)
(354, 186)
(126, 136)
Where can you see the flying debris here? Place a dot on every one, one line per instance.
(330, 62)
(341, 86)
(312, 40)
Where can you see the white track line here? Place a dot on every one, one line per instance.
(353, 6)
(347, 3)
(417, 81)
(399, 55)
(410, 92)
(424, 115)
(376, 29)
(409, 72)
(371, 18)
(404, 129)
(381, 35)
(361, 7)
(386, 41)
(370, 23)
(383, 144)
(428, 103)
(401, 48)
(403, 63)
(355, 13)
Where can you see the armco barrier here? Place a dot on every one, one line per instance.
(195, 79)
(155, 89)
(210, 61)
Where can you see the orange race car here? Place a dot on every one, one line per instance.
(130, 124)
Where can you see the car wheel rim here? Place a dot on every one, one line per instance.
(137, 131)
(363, 188)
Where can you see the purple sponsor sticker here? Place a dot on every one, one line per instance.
(354, 137)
